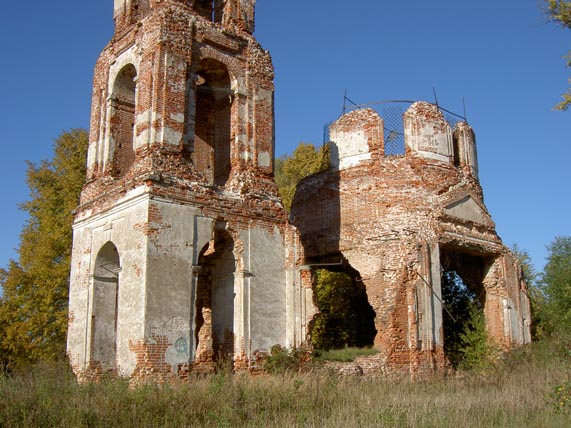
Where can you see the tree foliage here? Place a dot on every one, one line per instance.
(459, 317)
(345, 316)
(478, 351)
(556, 284)
(539, 325)
(290, 170)
(559, 11)
(33, 306)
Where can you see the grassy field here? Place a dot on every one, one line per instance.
(529, 389)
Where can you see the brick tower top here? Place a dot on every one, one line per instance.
(182, 103)
(230, 13)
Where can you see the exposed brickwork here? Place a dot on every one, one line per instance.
(382, 213)
(205, 267)
(151, 363)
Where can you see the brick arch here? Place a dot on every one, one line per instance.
(236, 68)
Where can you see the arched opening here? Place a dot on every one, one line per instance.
(122, 121)
(212, 145)
(210, 9)
(345, 316)
(464, 298)
(214, 322)
(105, 307)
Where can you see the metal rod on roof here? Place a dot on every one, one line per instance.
(435, 97)
(383, 102)
(464, 104)
(400, 101)
(451, 112)
(352, 102)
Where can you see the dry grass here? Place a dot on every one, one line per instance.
(516, 393)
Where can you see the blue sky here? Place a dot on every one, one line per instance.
(500, 56)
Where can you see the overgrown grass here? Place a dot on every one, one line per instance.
(346, 354)
(521, 392)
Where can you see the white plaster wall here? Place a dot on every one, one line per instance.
(472, 153)
(120, 7)
(299, 307)
(266, 287)
(467, 141)
(121, 225)
(293, 322)
(171, 284)
(467, 209)
(427, 137)
(79, 297)
(435, 321)
(350, 147)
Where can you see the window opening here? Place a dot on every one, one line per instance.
(122, 121)
(212, 142)
(210, 9)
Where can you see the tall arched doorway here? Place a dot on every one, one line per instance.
(214, 322)
(105, 307)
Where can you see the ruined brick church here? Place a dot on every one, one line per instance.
(183, 253)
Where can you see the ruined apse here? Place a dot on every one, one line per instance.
(399, 222)
(178, 240)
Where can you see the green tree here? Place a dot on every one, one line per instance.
(478, 351)
(290, 170)
(559, 11)
(33, 306)
(345, 316)
(556, 283)
(540, 325)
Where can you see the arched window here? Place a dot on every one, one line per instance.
(105, 307)
(212, 142)
(210, 9)
(122, 121)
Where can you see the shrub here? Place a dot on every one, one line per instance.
(478, 352)
(282, 360)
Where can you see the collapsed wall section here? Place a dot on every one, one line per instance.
(393, 217)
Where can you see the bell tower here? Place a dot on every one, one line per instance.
(178, 255)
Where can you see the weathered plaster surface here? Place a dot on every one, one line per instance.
(183, 254)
